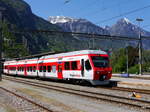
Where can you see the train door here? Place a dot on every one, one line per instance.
(86, 70)
(60, 75)
(44, 70)
(8, 70)
(25, 70)
(82, 67)
(40, 67)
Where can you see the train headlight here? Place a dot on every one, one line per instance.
(97, 72)
(109, 72)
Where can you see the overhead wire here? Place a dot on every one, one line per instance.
(145, 26)
(123, 14)
(91, 4)
(79, 10)
(94, 13)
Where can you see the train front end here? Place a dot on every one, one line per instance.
(102, 72)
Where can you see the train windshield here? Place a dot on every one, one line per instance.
(99, 61)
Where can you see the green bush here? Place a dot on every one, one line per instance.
(134, 69)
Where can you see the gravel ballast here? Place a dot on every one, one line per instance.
(64, 102)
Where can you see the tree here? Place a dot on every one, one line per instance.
(119, 60)
(11, 48)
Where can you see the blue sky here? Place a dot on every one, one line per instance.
(93, 10)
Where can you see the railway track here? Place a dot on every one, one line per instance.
(133, 77)
(142, 91)
(25, 104)
(138, 103)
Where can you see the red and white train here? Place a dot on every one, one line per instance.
(88, 65)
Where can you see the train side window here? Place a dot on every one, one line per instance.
(44, 68)
(49, 68)
(34, 68)
(40, 68)
(74, 65)
(87, 65)
(30, 68)
(67, 66)
(53, 68)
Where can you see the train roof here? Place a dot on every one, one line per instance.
(81, 52)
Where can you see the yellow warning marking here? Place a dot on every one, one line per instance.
(136, 95)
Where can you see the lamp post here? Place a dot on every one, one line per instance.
(127, 57)
(140, 47)
(1, 41)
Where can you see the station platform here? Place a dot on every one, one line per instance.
(139, 82)
(143, 76)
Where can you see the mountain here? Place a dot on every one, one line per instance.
(69, 24)
(17, 16)
(124, 27)
(76, 25)
(19, 13)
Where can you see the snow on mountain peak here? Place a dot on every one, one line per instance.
(125, 20)
(59, 19)
(62, 19)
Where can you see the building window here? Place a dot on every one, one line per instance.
(74, 65)
(67, 66)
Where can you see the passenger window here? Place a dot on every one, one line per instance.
(67, 66)
(44, 68)
(28, 69)
(31, 68)
(34, 68)
(74, 65)
(53, 68)
(49, 68)
(87, 65)
(59, 68)
(40, 68)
